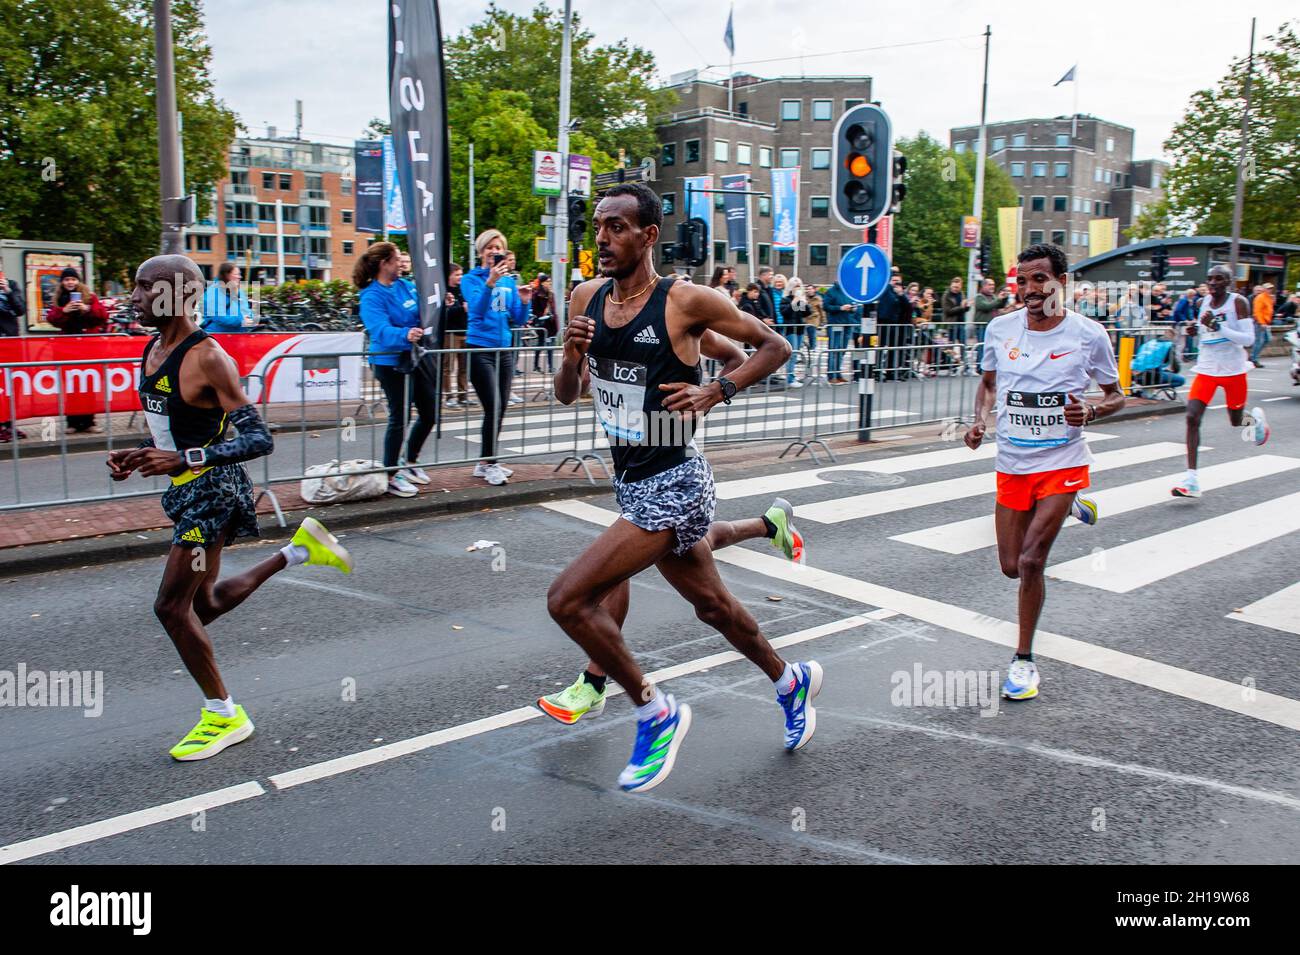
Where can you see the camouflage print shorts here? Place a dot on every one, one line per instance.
(218, 500)
(681, 498)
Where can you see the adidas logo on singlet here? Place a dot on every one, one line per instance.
(162, 384)
(646, 336)
(194, 536)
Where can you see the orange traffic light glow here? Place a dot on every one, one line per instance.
(859, 166)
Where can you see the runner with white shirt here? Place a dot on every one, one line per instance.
(1226, 331)
(1037, 363)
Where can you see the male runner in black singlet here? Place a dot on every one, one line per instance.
(190, 391)
(636, 338)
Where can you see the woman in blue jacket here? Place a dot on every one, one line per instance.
(225, 303)
(494, 304)
(391, 313)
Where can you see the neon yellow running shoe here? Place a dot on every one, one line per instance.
(213, 733)
(573, 702)
(322, 546)
(788, 540)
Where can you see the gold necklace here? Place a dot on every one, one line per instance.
(614, 301)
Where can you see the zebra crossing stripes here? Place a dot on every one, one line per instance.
(1277, 611)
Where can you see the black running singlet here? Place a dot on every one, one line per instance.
(627, 367)
(174, 424)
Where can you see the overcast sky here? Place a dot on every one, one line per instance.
(1137, 62)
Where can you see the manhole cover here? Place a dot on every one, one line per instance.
(869, 479)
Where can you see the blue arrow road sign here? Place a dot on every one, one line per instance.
(864, 272)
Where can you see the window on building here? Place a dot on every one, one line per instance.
(1020, 201)
(1106, 176)
(791, 109)
(822, 108)
(999, 143)
(318, 216)
(669, 155)
(818, 254)
(345, 187)
(1035, 236)
(1040, 169)
(820, 207)
(743, 107)
(1155, 180)
(1106, 213)
(1119, 180)
(721, 150)
(959, 147)
(719, 251)
(692, 150)
(286, 181)
(1061, 170)
(318, 246)
(314, 181)
(1058, 237)
(765, 206)
(846, 249)
(744, 154)
(765, 156)
(1137, 209)
(764, 254)
(821, 159)
(268, 180)
(239, 177)
(1110, 144)
(266, 244)
(785, 257)
(1096, 208)
(203, 243)
(1017, 170)
(238, 243)
(1096, 174)
(293, 245)
(1018, 141)
(265, 212)
(241, 212)
(1037, 203)
(1062, 139)
(348, 246)
(850, 103)
(789, 157)
(669, 200)
(289, 213)
(347, 216)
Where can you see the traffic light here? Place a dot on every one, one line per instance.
(863, 166)
(900, 189)
(1159, 263)
(577, 218)
(692, 237)
(984, 258)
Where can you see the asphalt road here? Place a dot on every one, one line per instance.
(1165, 732)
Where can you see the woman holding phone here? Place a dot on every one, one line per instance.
(495, 303)
(78, 311)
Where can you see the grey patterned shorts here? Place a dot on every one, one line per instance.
(681, 498)
(218, 500)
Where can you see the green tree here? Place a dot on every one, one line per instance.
(78, 133)
(1201, 183)
(940, 190)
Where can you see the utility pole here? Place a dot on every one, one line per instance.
(1241, 158)
(559, 270)
(169, 169)
(978, 209)
(471, 262)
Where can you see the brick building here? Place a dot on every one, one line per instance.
(787, 121)
(284, 211)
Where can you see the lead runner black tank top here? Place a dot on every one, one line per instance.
(174, 424)
(627, 367)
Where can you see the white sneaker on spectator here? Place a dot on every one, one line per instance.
(481, 469)
(416, 475)
(495, 474)
(471, 400)
(515, 399)
(398, 486)
(453, 403)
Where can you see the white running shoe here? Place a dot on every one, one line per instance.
(1255, 427)
(1022, 680)
(398, 486)
(1189, 487)
(416, 475)
(481, 469)
(515, 399)
(453, 403)
(495, 474)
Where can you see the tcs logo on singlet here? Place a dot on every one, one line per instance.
(155, 404)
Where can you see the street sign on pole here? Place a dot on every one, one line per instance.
(970, 232)
(864, 273)
(579, 175)
(546, 172)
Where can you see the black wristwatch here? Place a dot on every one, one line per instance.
(728, 388)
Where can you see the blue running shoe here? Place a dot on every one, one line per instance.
(800, 716)
(1084, 510)
(1256, 427)
(657, 742)
(1022, 680)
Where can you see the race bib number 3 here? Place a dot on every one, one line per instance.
(618, 390)
(1034, 419)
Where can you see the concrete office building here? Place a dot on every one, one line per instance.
(1070, 171)
(787, 121)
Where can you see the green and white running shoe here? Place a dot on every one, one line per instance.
(573, 702)
(788, 540)
(322, 546)
(213, 733)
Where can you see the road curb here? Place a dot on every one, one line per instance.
(133, 545)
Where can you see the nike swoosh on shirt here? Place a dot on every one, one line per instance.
(1061, 355)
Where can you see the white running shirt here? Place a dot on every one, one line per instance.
(1036, 372)
(1217, 353)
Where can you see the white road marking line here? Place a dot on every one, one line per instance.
(872, 503)
(1278, 611)
(962, 537)
(29, 848)
(1282, 398)
(1145, 561)
(1268, 707)
(896, 464)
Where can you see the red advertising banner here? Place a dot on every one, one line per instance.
(111, 378)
